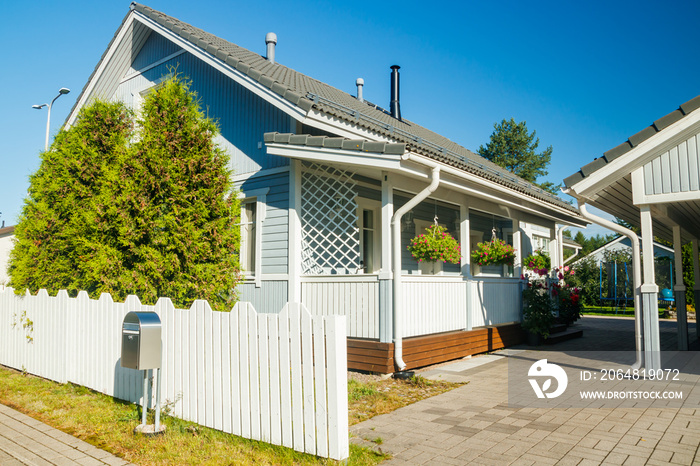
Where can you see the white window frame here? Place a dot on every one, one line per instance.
(538, 240)
(376, 208)
(259, 196)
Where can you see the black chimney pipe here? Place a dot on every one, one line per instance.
(395, 106)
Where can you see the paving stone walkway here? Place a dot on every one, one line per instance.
(474, 424)
(26, 441)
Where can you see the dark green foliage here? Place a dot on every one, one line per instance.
(538, 309)
(150, 219)
(514, 148)
(688, 274)
(587, 279)
(589, 245)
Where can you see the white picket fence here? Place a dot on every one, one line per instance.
(280, 378)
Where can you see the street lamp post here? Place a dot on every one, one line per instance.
(61, 91)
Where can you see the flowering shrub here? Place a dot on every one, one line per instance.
(435, 245)
(495, 252)
(543, 297)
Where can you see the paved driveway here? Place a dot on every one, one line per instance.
(475, 424)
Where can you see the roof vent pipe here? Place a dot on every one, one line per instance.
(360, 82)
(395, 107)
(271, 41)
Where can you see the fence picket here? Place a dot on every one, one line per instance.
(307, 358)
(254, 378)
(226, 372)
(235, 372)
(285, 377)
(280, 378)
(297, 392)
(244, 359)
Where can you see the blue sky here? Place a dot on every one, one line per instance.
(584, 76)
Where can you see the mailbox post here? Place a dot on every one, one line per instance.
(142, 350)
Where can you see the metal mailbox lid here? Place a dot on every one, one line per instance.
(142, 318)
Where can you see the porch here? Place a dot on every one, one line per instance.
(432, 304)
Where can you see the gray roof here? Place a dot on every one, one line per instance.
(307, 93)
(359, 145)
(633, 141)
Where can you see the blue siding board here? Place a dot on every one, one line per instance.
(156, 48)
(269, 298)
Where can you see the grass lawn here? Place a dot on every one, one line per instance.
(619, 311)
(108, 423)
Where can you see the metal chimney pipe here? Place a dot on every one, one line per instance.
(271, 41)
(395, 106)
(360, 82)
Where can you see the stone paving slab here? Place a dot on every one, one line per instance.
(473, 424)
(26, 441)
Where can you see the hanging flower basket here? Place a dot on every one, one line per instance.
(494, 252)
(435, 245)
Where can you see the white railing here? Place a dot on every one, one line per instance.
(495, 301)
(280, 378)
(353, 296)
(433, 304)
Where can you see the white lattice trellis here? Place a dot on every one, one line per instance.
(330, 238)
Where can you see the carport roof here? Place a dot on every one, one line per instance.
(608, 184)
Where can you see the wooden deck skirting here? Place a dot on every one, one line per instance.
(373, 356)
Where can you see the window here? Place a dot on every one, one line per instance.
(368, 215)
(247, 258)
(253, 211)
(540, 243)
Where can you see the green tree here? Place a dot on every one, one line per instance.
(60, 234)
(514, 148)
(152, 217)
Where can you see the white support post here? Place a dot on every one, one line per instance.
(464, 239)
(650, 302)
(696, 285)
(385, 276)
(465, 262)
(387, 212)
(294, 258)
(679, 290)
(517, 244)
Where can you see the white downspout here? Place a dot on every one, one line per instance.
(560, 245)
(634, 239)
(396, 258)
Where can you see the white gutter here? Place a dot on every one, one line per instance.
(636, 263)
(576, 251)
(463, 175)
(396, 258)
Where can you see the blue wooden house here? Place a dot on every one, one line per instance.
(333, 187)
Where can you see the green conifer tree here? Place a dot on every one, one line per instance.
(178, 223)
(152, 215)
